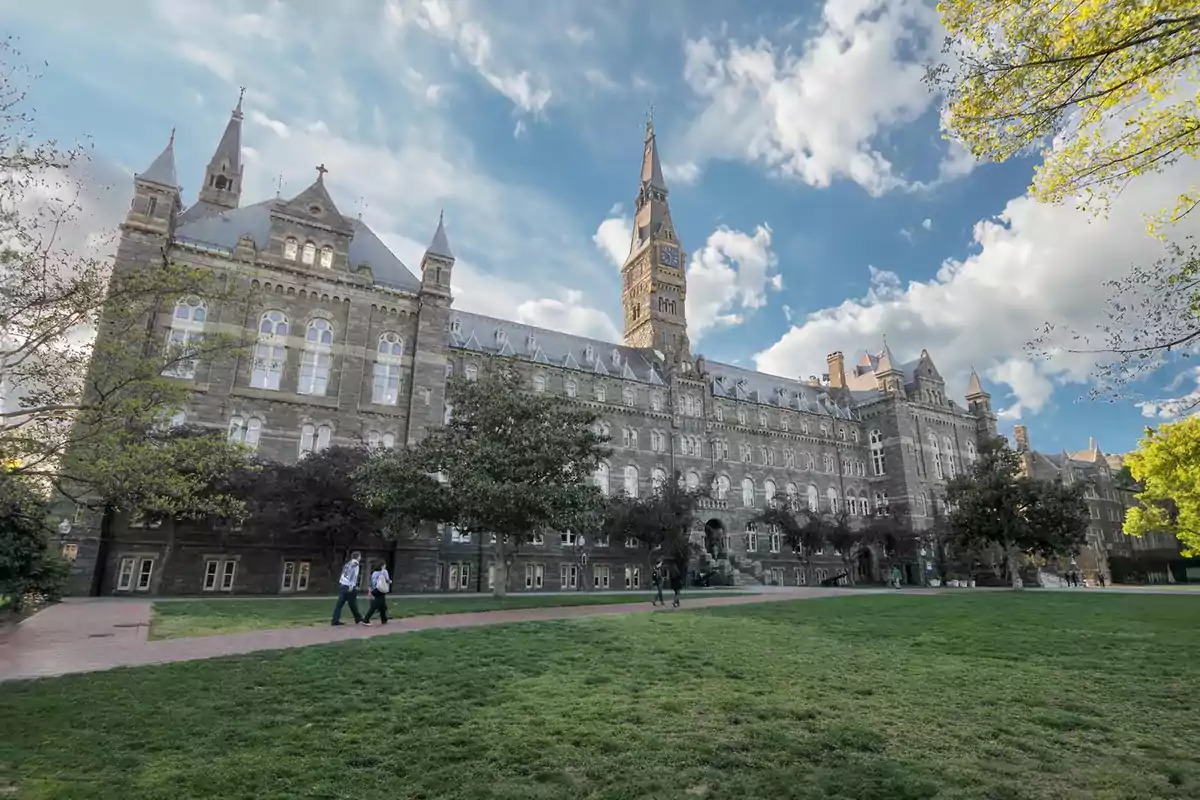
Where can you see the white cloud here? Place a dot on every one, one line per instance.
(598, 78)
(686, 173)
(614, 236)
(732, 273)
(817, 116)
(1169, 408)
(927, 224)
(1036, 263)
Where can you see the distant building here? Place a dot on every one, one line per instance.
(1108, 551)
(353, 346)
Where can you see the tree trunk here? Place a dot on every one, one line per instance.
(500, 584)
(1014, 572)
(102, 548)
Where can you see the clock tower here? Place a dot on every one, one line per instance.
(653, 285)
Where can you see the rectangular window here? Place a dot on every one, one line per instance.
(538, 539)
(601, 577)
(491, 577)
(211, 570)
(569, 539)
(305, 569)
(751, 542)
(535, 576)
(125, 575)
(801, 578)
(776, 542)
(458, 537)
(777, 576)
(288, 583)
(268, 366)
(385, 390)
(314, 372)
(181, 345)
(568, 576)
(70, 551)
(228, 571)
(145, 572)
(631, 542)
(460, 577)
(633, 577)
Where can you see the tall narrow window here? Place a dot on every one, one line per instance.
(747, 492)
(877, 462)
(245, 431)
(769, 490)
(471, 372)
(569, 388)
(309, 254)
(317, 358)
(627, 396)
(600, 477)
(936, 456)
(833, 499)
(187, 332)
(631, 481)
(658, 479)
(539, 383)
(314, 438)
(326, 256)
(814, 499)
(270, 354)
(722, 487)
(385, 390)
(290, 248)
(951, 467)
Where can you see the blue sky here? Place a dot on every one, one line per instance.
(821, 206)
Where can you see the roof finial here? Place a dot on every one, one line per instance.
(650, 121)
(441, 216)
(321, 173)
(279, 186)
(171, 141)
(241, 94)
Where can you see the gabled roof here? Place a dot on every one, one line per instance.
(222, 228)
(440, 246)
(162, 169)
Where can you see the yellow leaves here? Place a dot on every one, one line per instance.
(1103, 77)
(1167, 464)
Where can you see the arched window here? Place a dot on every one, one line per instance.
(627, 395)
(741, 416)
(769, 491)
(631, 481)
(633, 438)
(747, 492)
(972, 453)
(600, 477)
(832, 496)
(692, 481)
(326, 256)
(722, 487)
(187, 332)
(601, 394)
(658, 479)
(936, 456)
(245, 432)
(309, 254)
(792, 491)
(471, 372)
(270, 354)
(317, 358)
(877, 461)
(827, 460)
(809, 462)
(951, 467)
(814, 499)
(656, 402)
(841, 433)
(314, 439)
(784, 423)
(385, 389)
(539, 383)
(789, 458)
(569, 388)
(389, 441)
(290, 248)
(854, 435)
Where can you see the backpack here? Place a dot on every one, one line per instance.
(383, 585)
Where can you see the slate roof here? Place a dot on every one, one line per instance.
(758, 387)
(162, 169)
(222, 230)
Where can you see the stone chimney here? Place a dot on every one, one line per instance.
(837, 369)
(1021, 434)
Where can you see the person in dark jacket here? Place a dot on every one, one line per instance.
(676, 583)
(657, 577)
(381, 584)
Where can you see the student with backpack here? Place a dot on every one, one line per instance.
(348, 591)
(657, 577)
(381, 584)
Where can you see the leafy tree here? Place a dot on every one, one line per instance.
(316, 499)
(994, 505)
(661, 521)
(803, 530)
(88, 415)
(1167, 466)
(845, 538)
(513, 463)
(1095, 76)
(28, 566)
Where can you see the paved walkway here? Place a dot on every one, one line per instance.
(93, 635)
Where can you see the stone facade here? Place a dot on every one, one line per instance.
(1108, 499)
(352, 346)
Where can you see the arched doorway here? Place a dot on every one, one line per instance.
(714, 537)
(866, 566)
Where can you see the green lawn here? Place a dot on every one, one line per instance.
(177, 618)
(990, 696)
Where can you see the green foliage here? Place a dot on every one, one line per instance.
(994, 504)
(805, 531)
(28, 565)
(513, 463)
(661, 521)
(1167, 467)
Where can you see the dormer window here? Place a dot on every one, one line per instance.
(616, 358)
(530, 342)
(589, 354)
(326, 256)
(455, 326)
(501, 337)
(290, 248)
(309, 254)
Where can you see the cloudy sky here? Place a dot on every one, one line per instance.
(822, 207)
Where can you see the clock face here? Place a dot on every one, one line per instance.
(668, 256)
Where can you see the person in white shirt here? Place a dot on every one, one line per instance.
(348, 591)
(381, 584)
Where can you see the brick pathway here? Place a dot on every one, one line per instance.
(91, 635)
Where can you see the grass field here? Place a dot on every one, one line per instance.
(991, 696)
(173, 619)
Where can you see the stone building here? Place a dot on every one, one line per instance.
(353, 346)
(1109, 552)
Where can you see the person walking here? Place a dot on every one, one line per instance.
(676, 584)
(656, 576)
(348, 591)
(381, 584)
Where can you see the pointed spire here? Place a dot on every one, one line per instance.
(223, 178)
(162, 170)
(440, 246)
(974, 385)
(652, 174)
(887, 362)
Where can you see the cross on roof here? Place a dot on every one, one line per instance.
(650, 119)
(321, 172)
